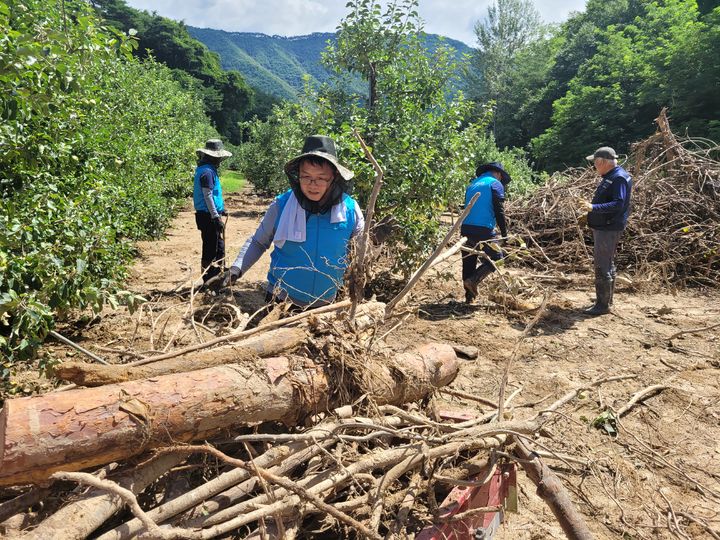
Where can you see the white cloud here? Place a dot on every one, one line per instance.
(455, 19)
(283, 17)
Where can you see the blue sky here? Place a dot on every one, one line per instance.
(454, 19)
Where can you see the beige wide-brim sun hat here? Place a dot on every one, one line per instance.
(214, 148)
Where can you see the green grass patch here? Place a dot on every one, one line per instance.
(231, 181)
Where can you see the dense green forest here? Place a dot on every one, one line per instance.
(227, 98)
(97, 151)
(554, 91)
(280, 65)
(599, 78)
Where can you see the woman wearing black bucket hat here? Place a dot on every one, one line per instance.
(310, 225)
(479, 226)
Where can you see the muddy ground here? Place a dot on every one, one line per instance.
(662, 465)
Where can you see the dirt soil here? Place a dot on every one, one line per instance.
(662, 464)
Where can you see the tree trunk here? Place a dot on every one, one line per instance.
(270, 344)
(87, 427)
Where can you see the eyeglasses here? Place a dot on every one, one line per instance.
(317, 181)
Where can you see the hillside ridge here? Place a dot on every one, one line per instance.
(278, 65)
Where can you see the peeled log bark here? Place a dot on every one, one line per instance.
(409, 375)
(87, 427)
(269, 344)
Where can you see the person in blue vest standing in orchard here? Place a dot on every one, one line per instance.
(488, 212)
(210, 207)
(607, 216)
(310, 225)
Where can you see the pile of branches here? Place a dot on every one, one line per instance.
(366, 469)
(332, 442)
(345, 476)
(673, 234)
(359, 470)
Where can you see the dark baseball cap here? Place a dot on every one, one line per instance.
(604, 152)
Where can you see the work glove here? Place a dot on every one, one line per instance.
(218, 224)
(584, 207)
(230, 276)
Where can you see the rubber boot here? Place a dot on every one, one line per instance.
(612, 293)
(470, 290)
(471, 283)
(603, 292)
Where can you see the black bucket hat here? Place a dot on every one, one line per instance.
(214, 148)
(494, 166)
(320, 146)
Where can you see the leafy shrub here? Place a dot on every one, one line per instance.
(97, 148)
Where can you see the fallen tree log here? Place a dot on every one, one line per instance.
(86, 427)
(271, 343)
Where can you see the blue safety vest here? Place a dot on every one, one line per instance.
(313, 270)
(198, 199)
(482, 213)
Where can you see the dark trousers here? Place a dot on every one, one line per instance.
(604, 246)
(475, 235)
(213, 246)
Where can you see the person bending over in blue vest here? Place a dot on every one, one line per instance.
(479, 226)
(310, 225)
(607, 216)
(209, 207)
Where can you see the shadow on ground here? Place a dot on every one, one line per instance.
(250, 214)
(558, 319)
(440, 311)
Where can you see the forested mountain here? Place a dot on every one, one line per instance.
(227, 97)
(277, 65)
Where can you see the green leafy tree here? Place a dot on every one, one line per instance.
(534, 75)
(522, 109)
(637, 69)
(370, 40)
(509, 28)
(687, 77)
(420, 134)
(227, 98)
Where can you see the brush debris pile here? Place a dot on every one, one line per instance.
(673, 234)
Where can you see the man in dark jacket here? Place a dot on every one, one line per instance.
(607, 217)
(209, 207)
(479, 226)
